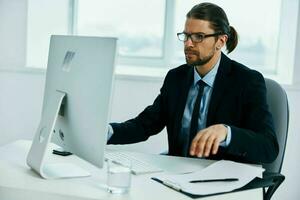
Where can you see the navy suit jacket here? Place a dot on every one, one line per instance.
(238, 99)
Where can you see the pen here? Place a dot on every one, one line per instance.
(215, 180)
(172, 185)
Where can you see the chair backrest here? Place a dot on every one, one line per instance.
(279, 108)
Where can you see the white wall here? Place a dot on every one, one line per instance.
(21, 103)
(22, 92)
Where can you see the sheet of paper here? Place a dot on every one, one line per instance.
(218, 170)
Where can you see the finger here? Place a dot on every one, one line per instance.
(193, 147)
(215, 147)
(208, 145)
(201, 144)
(195, 142)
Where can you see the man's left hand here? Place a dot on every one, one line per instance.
(207, 141)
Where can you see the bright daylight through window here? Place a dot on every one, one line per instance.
(139, 30)
(147, 29)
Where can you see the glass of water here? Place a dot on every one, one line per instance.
(118, 176)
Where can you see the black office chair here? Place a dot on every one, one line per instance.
(278, 106)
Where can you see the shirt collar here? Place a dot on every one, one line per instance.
(209, 78)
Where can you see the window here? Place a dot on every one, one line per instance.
(147, 30)
(139, 29)
(44, 18)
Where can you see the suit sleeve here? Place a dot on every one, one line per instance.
(149, 122)
(256, 142)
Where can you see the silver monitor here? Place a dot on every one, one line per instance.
(76, 103)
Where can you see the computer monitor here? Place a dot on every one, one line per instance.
(76, 104)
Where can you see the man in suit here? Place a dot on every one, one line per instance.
(212, 106)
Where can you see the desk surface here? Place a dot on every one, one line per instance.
(18, 181)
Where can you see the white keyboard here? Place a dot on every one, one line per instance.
(138, 166)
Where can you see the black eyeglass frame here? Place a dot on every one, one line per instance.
(190, 35)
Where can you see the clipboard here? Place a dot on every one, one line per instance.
(255, 183)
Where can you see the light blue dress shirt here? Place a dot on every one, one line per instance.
(209, 79)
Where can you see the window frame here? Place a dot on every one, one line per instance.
(286, 49)
(146, 61)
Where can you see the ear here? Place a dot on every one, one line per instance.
(222, 39)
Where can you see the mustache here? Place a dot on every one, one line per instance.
(190, 51)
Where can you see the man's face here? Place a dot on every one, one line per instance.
(197, 54)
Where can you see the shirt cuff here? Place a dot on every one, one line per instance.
(226, 142)
(110, 132)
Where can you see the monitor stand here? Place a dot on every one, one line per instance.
(39, 150)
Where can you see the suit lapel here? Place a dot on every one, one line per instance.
(183, 93)
(221, 84)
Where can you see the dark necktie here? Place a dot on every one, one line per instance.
(195, 114)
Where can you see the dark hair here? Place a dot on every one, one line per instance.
(218, 21)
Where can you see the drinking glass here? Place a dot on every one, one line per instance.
(118, 176)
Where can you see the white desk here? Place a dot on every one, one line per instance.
(18, 181)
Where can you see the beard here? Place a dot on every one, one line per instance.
(199, 61)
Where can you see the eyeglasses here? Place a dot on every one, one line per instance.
(195, 37)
